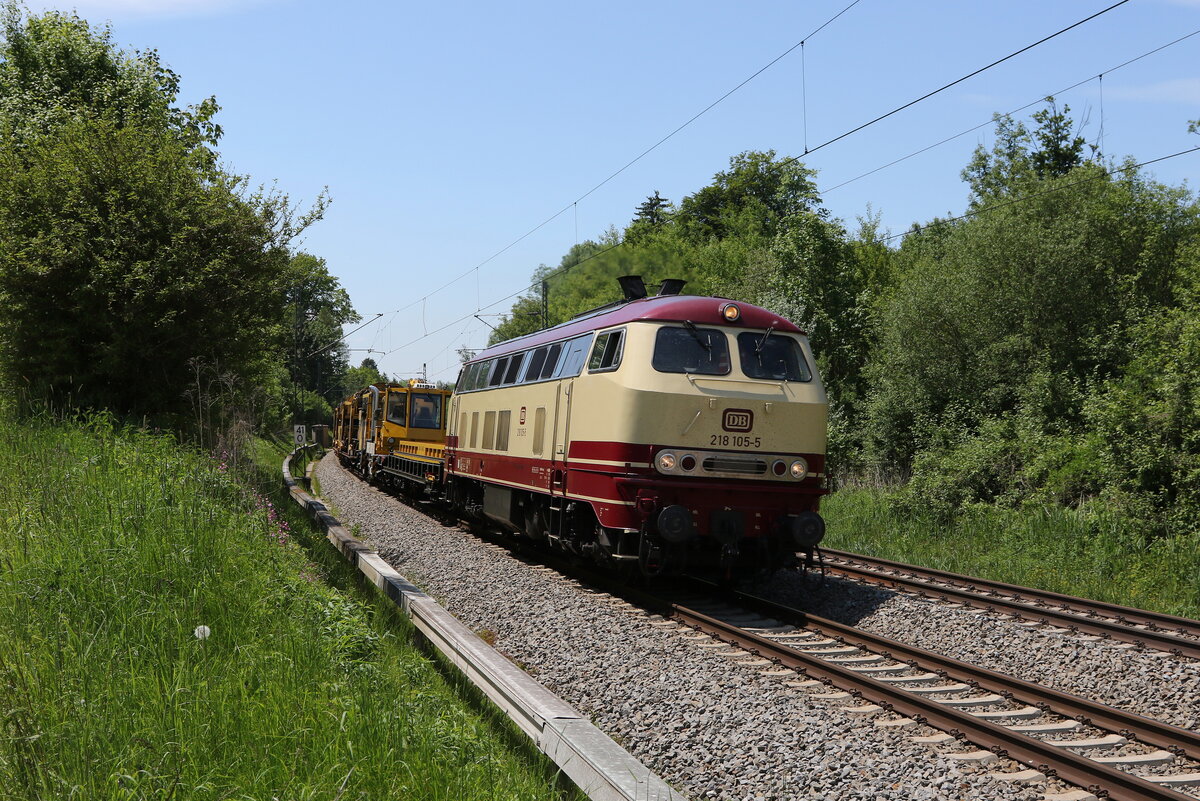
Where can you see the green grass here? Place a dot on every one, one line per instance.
(1065, 550)
(114, 547)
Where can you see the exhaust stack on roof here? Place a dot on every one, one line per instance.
(633, 287)
(670, 286)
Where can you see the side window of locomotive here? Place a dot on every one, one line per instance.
(396, 403)
(481, 375)
(777, 357)
(539, 429)
(498, 371)
(534, 371)
(514, 368)
(426, 410)
(700, 351)
(503, 420)
(551, 360)
(606, 353)
(576, 353)
(489, 430)
(470, 378)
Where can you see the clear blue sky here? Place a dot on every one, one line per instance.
(445, 131)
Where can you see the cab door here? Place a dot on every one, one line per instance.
(561, 441)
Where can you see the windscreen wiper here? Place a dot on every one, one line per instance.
(763, 341)
(691, 329)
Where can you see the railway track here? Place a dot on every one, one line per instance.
(1175, 635)
(983, 715)
(1112, 753)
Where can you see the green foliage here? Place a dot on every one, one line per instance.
(1041, 292)
(316, 308)
(135, 275)
(1020, 157)
(753, 197)
(1093, 552)
(118, 265)
(355, 378)
(55, 69)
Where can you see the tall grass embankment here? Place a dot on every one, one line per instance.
(165, 634)
(1091, 554)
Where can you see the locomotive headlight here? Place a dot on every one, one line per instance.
(731, 312)
(799, 468)
(666, 462)
(688, 462)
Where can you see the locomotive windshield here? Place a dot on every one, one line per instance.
(778, 358)
(396, 403)
(426, 410)
(700, 351)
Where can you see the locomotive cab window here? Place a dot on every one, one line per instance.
(606, 353)
(699, 351)
(778, 358)
(426, 410)
(396, 403)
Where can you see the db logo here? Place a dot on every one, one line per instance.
(738, 420)
(522, 415)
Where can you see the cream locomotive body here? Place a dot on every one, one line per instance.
(664, 432)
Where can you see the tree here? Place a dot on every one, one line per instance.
(1018, 156)
(653, 209)
(752, 197)
(1027, 308)
(317, 307)
(364, 375)
(127, 258)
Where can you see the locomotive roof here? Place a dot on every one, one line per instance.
(662, 308)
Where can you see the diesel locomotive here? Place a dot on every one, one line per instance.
(658, 433)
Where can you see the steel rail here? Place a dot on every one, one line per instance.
(1049, 759)
(1179, 741)
(1127, 614)
(1070, 767)
(1122, 628)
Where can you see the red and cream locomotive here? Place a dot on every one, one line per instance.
(668, 432)
(664, 432)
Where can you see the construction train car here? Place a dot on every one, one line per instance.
(395, 434)
(658, 433)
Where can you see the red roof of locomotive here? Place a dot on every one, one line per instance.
(663, 308)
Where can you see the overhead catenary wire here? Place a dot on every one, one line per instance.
(984, 210)
(1011, 112)
(574, 203)
(915, 229)
(955, 82)
(793, 159)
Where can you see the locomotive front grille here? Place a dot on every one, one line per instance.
(735, 464)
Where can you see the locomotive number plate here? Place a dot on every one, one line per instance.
(735, 441)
